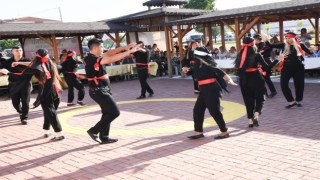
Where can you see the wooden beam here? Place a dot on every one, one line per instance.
(136, 35)
(226, 24)
(180, 42)
(259, 28)
(281, 28)
(22, 40)
(166, 30)
(237, 32)
(171, 43)
(245, 24)
(188, 29)
(117, 39)
(316, 29)
(170, 28)
(205, 34)
(45, 40)
(210, 36)
(128, 37)
(112, 38)
(55, 48)
(80, 46)
(122, 37)
(253, 22)
(255, 30)
(223, 40)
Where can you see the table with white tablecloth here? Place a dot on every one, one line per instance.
(309, 63)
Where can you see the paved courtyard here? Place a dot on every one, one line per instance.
(153, 141)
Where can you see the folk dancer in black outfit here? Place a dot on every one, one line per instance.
(19, 85)
(292, 67)
(69, 70)
(265, 51)
(251, 79)
(143, 68)
(99, 89)
(211, 82)
(49, 91)
(188, 62)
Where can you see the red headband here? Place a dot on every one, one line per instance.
(244, 53)
(290, 35)
(71, 54)
(43, 64)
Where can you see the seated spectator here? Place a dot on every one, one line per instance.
(223, 53)
(316, 50)
(128, 60)
(304, 37)
(232, 53)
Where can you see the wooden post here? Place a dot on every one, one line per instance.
(22, 40)
(281, 29)
(259, 28)
(136, 35)
(55, 48)
(117, 39)
(223, 40)
(166, 30)
(180, 42)
(210, 36)
(171, 40)
(80, 46)
(128, 37)
(205, 34)
(236, 29)
(316, 24)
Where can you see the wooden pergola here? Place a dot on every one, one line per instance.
(245, 19)
(154, 20)
(48, 32)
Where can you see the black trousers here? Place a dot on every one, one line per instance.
(47, 121)
(49, 106)
(253, 92)
(209, 97)
(143, 76)
(297, 73)
(109, 110)
(74, 82)
(21, 99)
(269, 82)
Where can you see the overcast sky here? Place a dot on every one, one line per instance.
(93, 10)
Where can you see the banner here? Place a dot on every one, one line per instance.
(32, 45)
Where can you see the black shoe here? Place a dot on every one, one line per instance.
(196, 92)
(94, 136)
(107, 140)
(71, 104)
(291, 105)
(273, 94)
(196, 136)
(141, 97)
(250, 125)
(81, 103)
(299, 105)
(24, 122)
(151, 94)
(47, 135)
(222, 137)
(58, 138)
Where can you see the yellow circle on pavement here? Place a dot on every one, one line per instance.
(231, 112)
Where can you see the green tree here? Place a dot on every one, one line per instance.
(8, 44)
(300, 24)
(267, 28)
(205, 5)
(200, 4)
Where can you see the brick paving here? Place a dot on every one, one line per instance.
(153, 144)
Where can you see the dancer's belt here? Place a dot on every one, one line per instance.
(144, 64)
(206, 81)
(78, 75)
(95, 79)
(256, 69)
